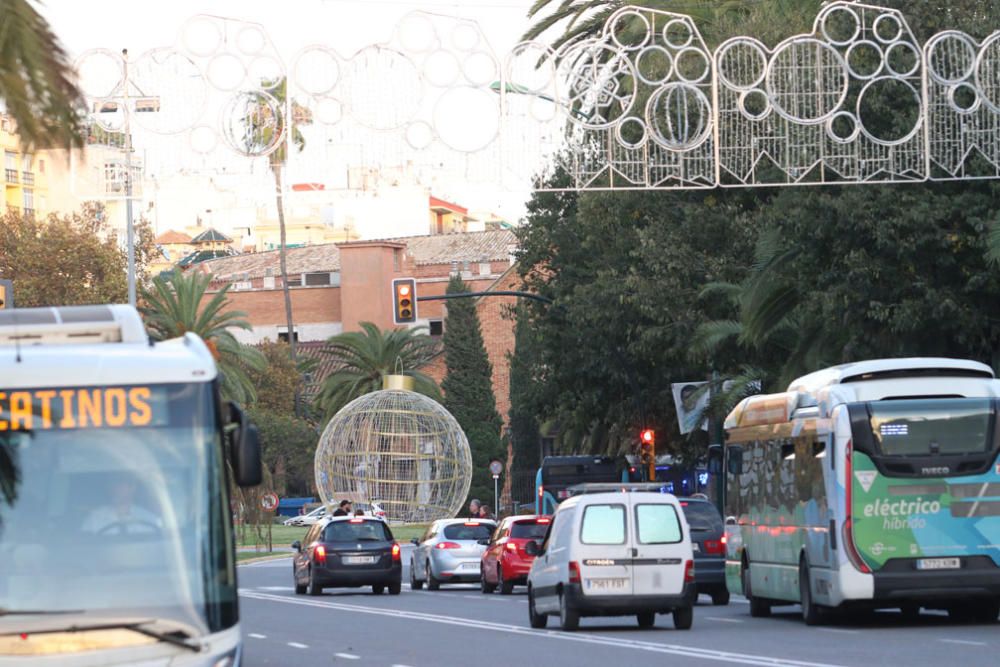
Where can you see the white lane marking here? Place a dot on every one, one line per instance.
(723, 620)
(613, 642)
(257, 636)
(473, 597)
(964, 642)
(347, 656)
(298, 645)
(274, 588)
(838, 630)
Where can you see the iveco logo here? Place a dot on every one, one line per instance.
(941, 470)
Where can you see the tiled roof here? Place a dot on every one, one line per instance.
(170, 236)
(211, 235)
(200, 256)
(439, 249)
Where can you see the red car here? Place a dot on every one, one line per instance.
(505, 563)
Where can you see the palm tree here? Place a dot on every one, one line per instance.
(366, 356)
(261, 128)
(177, 305)
(37, 81)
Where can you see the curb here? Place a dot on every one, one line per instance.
(260, 559)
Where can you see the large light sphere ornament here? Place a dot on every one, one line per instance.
(399, 449)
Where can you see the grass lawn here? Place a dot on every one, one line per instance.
(283, 536)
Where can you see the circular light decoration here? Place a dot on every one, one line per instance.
(399, 449)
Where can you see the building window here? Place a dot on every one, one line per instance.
(268, 282)
(485, 269)
(10, 160)
(317, 279)
(283, 336)
(29, 201)
(396, 262)
(295, 280)
(437, 327)
(41, 166)
(26, 162)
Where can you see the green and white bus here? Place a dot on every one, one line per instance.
(872, 484)
(116, 538)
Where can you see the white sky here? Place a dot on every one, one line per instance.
(346, 25)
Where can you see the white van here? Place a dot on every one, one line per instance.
(614, 554)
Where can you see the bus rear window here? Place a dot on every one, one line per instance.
(930, 426)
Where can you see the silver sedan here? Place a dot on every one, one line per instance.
(449, 552)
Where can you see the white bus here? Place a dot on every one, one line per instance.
(116, 539)
(871, 485)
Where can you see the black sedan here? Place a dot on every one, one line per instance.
(347, 552)
(709, 544)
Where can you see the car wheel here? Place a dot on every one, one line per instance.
(314, 588)
(536, 620)
(484, 586)
(432, 583)
(395, 587)
(683, 618)
(415, 584)
(377, 589)
(647, 619)
(812, 613)
(506, 587)
(720, 597)
(758, 608)
(569, 618)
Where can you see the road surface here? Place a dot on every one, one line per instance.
(459, 626)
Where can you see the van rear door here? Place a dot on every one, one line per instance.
(605, 561)
(659, 547)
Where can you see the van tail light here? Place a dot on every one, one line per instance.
(448, 545)
(848, 538)
(395, 552)
(511, 546)
(689, 572)
(574, 572)
(715, 547)
(319, 555)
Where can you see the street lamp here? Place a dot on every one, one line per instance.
(143, 104)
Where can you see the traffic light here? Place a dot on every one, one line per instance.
(647, 453)
(6, 294)
(404, 300)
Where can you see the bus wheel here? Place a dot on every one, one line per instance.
(758, 608)
(812, 613)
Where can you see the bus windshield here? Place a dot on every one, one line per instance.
(931, 426)
(116, 507)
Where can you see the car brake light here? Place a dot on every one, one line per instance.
(319, 555)
(689, 572)
(725, 540)
(574, 572)
(395, 552)
(448, 545)
(541, 491)
(356, 520)
(544, 519)
(511, 546)
(471, 523)
(683, 504)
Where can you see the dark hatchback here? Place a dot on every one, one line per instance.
(709, 544)
(347, 552)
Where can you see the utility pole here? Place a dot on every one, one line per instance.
(130, 228)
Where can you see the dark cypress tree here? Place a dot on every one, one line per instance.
(524, 425)
(468, 390)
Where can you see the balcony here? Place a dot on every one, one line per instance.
(28, 178)
(29, 213)
(11, 176)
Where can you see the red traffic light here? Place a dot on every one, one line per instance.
(647, 436)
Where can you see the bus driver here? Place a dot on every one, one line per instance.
(122, 516)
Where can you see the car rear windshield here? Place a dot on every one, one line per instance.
(363, 531)
(701, 515)
(529, 530)
(657, 524)
(603, 524)
(461, 531)
(922, 427)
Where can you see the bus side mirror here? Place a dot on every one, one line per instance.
(715, 460)
(244, 449)
(735, 460)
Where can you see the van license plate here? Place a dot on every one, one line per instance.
(939, 564)
(614, 584)
(359, 560)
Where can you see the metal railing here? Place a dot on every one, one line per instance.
(29, 212)
(28, 178)
(11, 175)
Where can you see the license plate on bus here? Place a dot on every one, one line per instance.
(939, 564)
(359, 560)
(608, 584)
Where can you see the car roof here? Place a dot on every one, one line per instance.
(617, 497)
(452, 522)
(363, 517)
